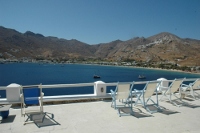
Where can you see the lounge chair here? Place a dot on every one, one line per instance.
(190, 89)
(31, 103)
(122, 92)
(144, 96)
(4, 110)
(170, 91)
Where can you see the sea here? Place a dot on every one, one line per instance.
(48, 74)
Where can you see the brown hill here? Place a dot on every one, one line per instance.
(17, 45)
(161, 48)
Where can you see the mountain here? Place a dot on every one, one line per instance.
(163, 48)
(17, 45)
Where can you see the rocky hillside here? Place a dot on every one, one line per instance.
(161, 48)
(30, 45)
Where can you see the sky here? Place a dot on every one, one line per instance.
(102, 21)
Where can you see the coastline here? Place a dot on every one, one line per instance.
(152, 68)
(99, 63)
(167, 70)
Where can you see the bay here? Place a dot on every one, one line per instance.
(47, 74)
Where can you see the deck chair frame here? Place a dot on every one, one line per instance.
(145, 95)
(123, 93)
(28, 113)
(190, 89)
(172, 90)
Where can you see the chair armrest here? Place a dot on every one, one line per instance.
(112, 92)
(163, 87)
(21, 97)
(41, 97)
(184, 85)
(138, 92)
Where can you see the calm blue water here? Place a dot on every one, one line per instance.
(33, 73)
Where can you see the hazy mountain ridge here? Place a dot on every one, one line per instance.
(32, 45)
(163, 47)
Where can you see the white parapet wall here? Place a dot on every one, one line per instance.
(99, 88)
(13, 92)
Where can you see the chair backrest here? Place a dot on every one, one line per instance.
(175, 85)
(164, 83)
(150, 88)
(31, 95)
(123, 91)
(196, 84)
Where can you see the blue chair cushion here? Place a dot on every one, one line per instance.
(31, 96)
(4, 114)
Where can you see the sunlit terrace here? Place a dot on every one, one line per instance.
(93, 113)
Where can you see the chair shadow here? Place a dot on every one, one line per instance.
(190, 105)
(197, 97)
(185, 104)
(189, 98)
(47, 120)
(167, 111)
(161, 110)
(9, 119)
(136, 112)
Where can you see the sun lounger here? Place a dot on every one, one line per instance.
(31, 103)
(123, 92)
(144, 96)
(190, 89)
(173, 90)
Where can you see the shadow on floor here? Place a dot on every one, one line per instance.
(47, 119)
(167, 111)
(9, 119)
(185, 104)
(135, 112)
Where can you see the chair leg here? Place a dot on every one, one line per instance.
(28, 120)
(113, 102)
(147, 108)
(178, 105)
(139, 99)
(156, 105)
(197, 95)
(119, 112)
(163, 95)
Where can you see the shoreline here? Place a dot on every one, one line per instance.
(167, 70)
(145, 68)
(152, 68)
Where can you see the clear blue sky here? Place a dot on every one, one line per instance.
(101, 21)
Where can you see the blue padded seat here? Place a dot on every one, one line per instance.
(31, 96)
(4, 114)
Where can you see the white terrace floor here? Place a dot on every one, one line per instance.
(99, 117)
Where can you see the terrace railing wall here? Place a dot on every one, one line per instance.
(100, 89)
